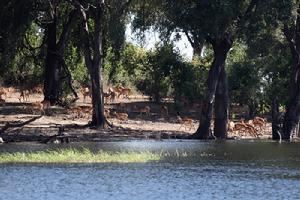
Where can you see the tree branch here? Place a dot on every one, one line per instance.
(66, 31)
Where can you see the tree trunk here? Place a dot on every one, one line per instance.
(275, 120)
(221, 106)
(52, 67)
(54, 56)
(292, 115)
(98, 118)
(93, 54)
(197, 50)
(220, 54)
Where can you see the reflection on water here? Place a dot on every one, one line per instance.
(207, 170)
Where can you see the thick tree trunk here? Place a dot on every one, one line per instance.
(52, 79)
(292, 115)
(52, 67)
(221, 106)
(98, 118)
(220, 54)
(54, 56)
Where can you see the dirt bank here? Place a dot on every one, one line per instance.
(22, 121)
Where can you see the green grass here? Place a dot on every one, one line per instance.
(78, 156)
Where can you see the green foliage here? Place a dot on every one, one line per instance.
(258, 73)
(166, 74)
(25, 65)
(15, 18)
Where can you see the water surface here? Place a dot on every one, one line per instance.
(192, 170)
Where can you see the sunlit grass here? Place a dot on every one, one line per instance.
(79, 156)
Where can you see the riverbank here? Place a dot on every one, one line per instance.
(22, 121)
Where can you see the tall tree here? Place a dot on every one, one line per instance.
(292, 115)
(93, 20)
(216, 23)
(56, 45)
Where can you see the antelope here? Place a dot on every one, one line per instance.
(24, 94)
(260, 122)
(145, 110)
(39, 106)
(259, 119)
(42, 106)
(86, 92)
(107, 113)
(117, 90)
(164, 110)
(9, 91)
(4, 92)
(250, 128)
(81, 111)
(185, 121)
(242, 126)
(2, 101)
(77, 111)
(86, 109)
(230, 126)
(121, 116)
(125, 92)
(37, 90)
(106, 96)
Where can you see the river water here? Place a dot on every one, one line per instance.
(203, 170)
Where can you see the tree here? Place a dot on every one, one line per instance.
(15, 18)
(93, 21)
(292, 115)
(204, 22)
(55, 48)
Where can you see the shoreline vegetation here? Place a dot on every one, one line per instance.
(73, 156)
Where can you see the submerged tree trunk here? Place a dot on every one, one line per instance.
(221, 50)
(54, 56)
(221, 106)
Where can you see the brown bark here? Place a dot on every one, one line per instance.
(221, 50)
(221, 106)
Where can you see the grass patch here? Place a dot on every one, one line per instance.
(78, 156)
